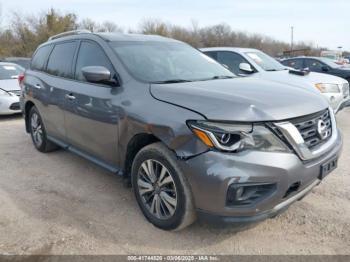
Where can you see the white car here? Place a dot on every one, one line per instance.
(9, 88)
(254, 63)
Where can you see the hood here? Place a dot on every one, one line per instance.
(241, 99)
(10, 85)
(307, 81)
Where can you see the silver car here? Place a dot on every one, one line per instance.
(254, 63)
(9, 88)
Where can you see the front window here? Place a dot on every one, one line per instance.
(265, 62)
(167, 61)
(10, 71)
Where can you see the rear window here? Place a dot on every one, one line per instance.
(9, 71)
(39, 58)
(61, 59)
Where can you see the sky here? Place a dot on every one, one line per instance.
(324, 23)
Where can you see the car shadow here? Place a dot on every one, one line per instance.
(62, 190)
(13, 117)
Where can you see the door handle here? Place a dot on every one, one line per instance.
(37, 86)
(70, 97)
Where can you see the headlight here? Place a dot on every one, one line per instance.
(236, 137)
(328, 88)
(3, 93)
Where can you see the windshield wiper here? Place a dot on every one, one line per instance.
(171, 81)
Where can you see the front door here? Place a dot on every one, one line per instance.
(91, 117)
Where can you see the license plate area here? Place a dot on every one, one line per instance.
(328, 167)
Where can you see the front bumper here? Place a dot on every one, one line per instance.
(210, 174)
(9, 105)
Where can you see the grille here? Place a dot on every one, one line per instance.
(308, 128)
(345, 90)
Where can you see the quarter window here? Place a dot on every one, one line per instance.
(91, 54)
(61, 59)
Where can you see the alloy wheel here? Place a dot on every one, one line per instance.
(157, 189)
(37, 130)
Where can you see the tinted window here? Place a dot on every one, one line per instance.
(296, 63)
(61, 59)
(313, 65)
(231, 60)
(39, 59)
(91, 54)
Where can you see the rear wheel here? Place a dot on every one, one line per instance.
(38, 133)
(161, 188)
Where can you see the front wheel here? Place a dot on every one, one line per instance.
(161, 189)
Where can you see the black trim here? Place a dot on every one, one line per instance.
(113, 169)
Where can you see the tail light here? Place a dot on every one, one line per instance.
(21, 79)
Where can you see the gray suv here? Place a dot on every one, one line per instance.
(192, 138)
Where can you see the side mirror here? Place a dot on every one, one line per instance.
(245, 67)
(325, 68)
(97, 74)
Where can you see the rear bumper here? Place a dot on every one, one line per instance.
(9, 105)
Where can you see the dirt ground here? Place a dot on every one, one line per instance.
(59, 203)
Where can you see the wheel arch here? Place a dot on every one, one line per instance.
(136, 143)
(27, 107)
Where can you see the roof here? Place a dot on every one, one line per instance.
(76, 34)
(133, 37)
(233, 49)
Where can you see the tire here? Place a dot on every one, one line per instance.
(38, 133)
(171, 215)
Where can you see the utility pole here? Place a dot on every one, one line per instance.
(291, 40)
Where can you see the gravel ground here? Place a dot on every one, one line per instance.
(59, 203)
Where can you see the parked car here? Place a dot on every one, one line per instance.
(9, 88)
(254, 63)
(21, 61)
(193, 139)
(320, 65)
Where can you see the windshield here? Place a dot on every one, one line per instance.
(329, 62)
(167, 62)
(9, 71)
(265, 62)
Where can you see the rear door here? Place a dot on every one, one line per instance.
(91, 117)
(54, 86)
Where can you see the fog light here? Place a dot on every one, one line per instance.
(248, 193)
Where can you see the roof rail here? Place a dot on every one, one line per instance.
(73, 32)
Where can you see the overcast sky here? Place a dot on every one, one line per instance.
(322, 22)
